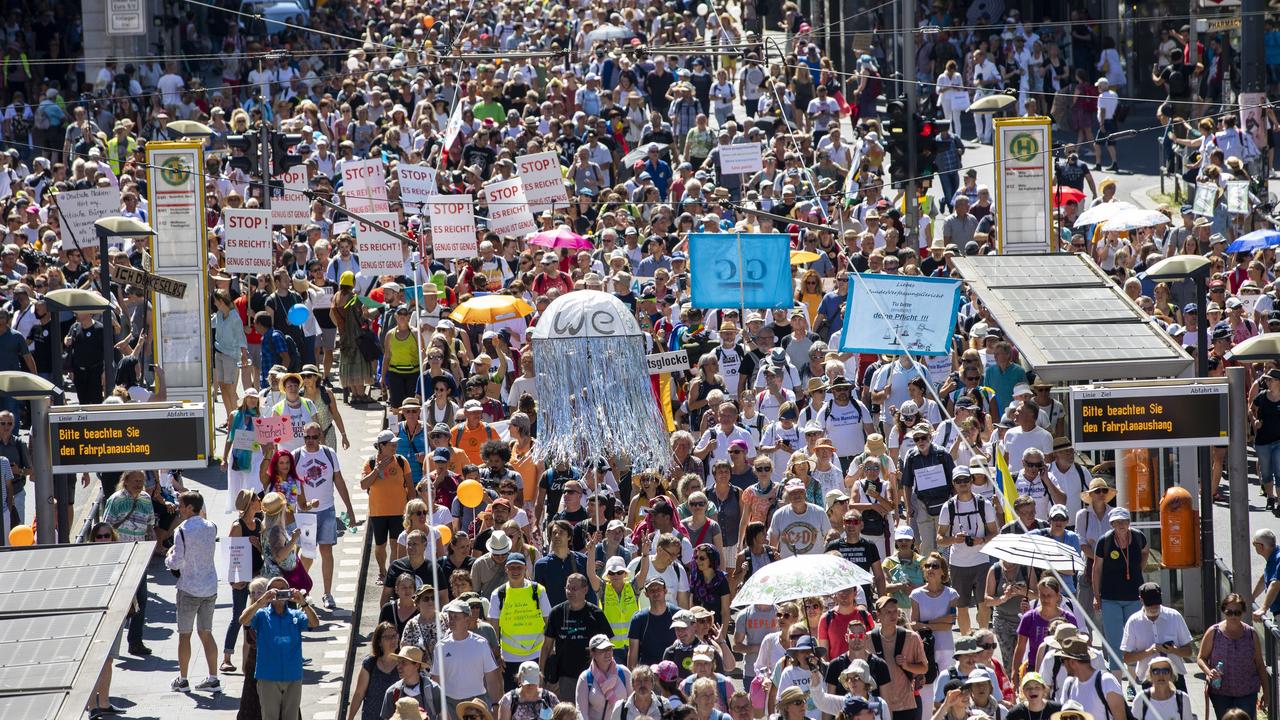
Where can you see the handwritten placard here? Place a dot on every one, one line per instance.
(235, 559)
(272, 429)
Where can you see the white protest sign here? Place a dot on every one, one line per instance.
(80, 209)
(509, 214)
(452, 128)
(453, 226)
(364, 186)
(307, 540)
(1238, 197)
(288, 205)
(417, 183)
(1206, 195)
(380, 252)
(323, 300)
(740, 159)
(667, 362)
(244, 441)
(246, 240)
(235, 559)
(542, 181)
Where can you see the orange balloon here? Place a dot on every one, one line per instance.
(470, 493)
(428, 22)
(22, 536)
(446, 533)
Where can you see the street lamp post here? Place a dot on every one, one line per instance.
(1196, 268)
(108, 228)
(25, 386)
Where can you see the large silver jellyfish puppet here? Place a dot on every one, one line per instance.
(595, 399)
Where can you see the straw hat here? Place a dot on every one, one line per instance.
(1098, 484)
(273, 503)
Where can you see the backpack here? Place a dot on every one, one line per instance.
(1147, 700)
(42, 118)
(502, 592)
(899, 639)
(295, 355)
(980, 509)
(367, 343)
(873, 522)
(930, 654)
(1128, 712)
(457, 434)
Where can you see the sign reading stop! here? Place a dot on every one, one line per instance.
(542, 181)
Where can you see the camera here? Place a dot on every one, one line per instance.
(284, 594)
(968, 541)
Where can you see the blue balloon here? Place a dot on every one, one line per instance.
(299, 314)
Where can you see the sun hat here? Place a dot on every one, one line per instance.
(1098, 484)
(499, 543)
(273, 503)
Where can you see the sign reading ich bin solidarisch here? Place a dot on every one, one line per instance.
(890, 313)
(509, 214)
(380, 252)
(542, 181)
(1149, 416)
(149, 437)
(453, 226)
(246, 240)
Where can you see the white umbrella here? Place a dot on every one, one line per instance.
(1037, 551)
(1101, 213)
(1133, 219)
(800, 576)
(641, 152)
(609, 32)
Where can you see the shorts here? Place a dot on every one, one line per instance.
(225, 371)
(969, 583)
(326, 526)
(385, 527)
(195, 611)
(328, 338)
(1109, 126)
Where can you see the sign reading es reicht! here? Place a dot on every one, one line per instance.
(1149, 416)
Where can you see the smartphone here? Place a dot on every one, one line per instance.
(284, 594)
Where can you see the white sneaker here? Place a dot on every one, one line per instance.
(180, 684)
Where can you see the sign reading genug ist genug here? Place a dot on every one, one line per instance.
(152, 437)
(1150, 416)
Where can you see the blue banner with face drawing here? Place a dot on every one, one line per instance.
(740, 270)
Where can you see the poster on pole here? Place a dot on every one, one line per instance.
(246, 240)
(453, 226)
(740, 159)
(417, 183)
(80, 209)
(364, 186)
(893, 313)
(1252, 120)
(288, 205)
(509, 214)
(1238, 197)
(1206, 198)
(380, 252)
(542, 181)
(1024, 176)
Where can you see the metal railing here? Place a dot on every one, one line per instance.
(1222, 585)
(1271, 653)
(91, 518)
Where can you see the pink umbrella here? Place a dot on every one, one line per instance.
(561, 237)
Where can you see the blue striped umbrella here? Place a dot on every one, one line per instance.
(1255, 240)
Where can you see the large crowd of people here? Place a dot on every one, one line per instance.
(598, 589)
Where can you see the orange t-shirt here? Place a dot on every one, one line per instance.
(528, 469)
(472, 440)
(389, 493)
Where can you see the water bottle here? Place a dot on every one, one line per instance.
(1217, 682)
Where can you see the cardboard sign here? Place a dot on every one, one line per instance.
(509, 214)
(80, 209)
(890, 313)
(417, 183)
(542, 181)
(272, 429)
(380, 252)
(740, 159)
(453, 226)
(307, 540)
(288, 205)
(246, 240)
(244, 441)
(235, 559)
(364, 185)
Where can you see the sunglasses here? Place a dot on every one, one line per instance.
(419, 513)
(784, 615)
(853, 521)
(102, 536)
(1160, 671)
(697, 504)
(988, 646)
(1233, 613)
(735, 452)
(794, 638)
(932, 566)
(1034, 464)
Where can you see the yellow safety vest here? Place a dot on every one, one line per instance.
(521, 621)
(619, 607)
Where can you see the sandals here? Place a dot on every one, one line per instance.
(226, 667)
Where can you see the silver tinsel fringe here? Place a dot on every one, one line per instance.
(595, 400)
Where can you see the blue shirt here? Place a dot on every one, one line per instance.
(279, 644)
(660, 173)
(551, 573)
(273, 346)
(1003, 382)
(830, 307)
(1272, 574)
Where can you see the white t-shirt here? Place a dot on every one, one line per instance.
(1017, 440)
(771, 436)
(799, 533)
(677, 576)
(522, 386)
(1073, 481)
(722, 442)
(317, 470)
(298, 418)
(463, 663)
(1167, 708)
(845, 426)
(970, 518)
(1085, 692)
(1140, 633)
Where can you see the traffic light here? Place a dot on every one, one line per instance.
(895, 139)
(926, 144)
(244, 152)
(281, 159)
